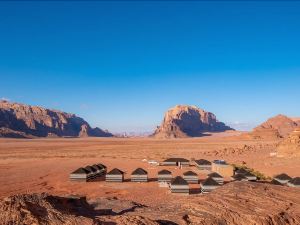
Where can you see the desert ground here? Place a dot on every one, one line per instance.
(44, 165)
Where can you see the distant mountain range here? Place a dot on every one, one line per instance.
(182, 121)
(24, 121)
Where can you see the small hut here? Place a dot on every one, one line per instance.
(179, 185)
(239, 177)
(240, 171)
(203, 164)
(139, 175)
(164, 176)
(283, 178)
(250, 176)
(81, 174)
(275, 182)
(191, 177)
(115, 175)
(208, 185)
(295, 182)
(176, 162)
(217, 177)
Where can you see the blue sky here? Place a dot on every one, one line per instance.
(121, 65)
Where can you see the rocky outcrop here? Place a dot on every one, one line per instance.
(6, 132)
(48, 209)
(238, 202)
(44, 209)
(279, 126)
(290, 146)
(265, 133)
(19, 120)
(188, 121)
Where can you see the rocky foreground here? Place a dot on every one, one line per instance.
(184, 121)
(235, 203)
(24, 121)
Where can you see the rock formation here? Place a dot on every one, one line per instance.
(44, 209)
(188, 121)
(19, 120)
(290, 146)
(233, 203)
(275, 127)
(48, 209)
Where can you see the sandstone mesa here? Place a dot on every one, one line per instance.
(184, 121)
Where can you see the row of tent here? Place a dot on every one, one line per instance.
(88, 173)
(284, 179)
(244, 175)
(179, 184)
(139, 175)
(200, 163)
(280, 179)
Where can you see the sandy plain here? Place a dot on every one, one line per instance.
(44, 165)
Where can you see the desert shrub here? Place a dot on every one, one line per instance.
(259, 175)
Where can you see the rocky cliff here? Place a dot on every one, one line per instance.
(20, 120)
(184, 121)
(290, 146)
(279, 126)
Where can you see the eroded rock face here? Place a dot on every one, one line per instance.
(188, 121)
(243, 203)
(19, 120)
(246, 203)
(290, 146)
(47, 209)
(44, 209)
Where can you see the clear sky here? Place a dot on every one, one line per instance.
(121, 65)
